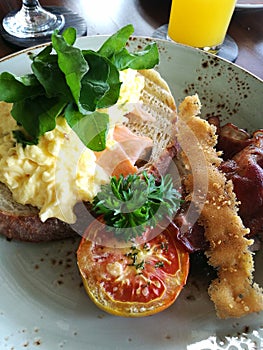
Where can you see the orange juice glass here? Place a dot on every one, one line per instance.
(200, 23)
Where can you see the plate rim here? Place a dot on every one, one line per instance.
(139, 37)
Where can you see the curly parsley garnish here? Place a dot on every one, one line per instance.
(131, 204)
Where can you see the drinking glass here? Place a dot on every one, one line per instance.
(32, 21)
(200, 23)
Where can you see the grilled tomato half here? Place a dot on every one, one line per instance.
(133, 279)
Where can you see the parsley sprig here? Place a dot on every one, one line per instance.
(131, 204)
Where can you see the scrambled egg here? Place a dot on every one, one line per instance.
(60, 171)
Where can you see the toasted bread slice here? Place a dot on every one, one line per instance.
(22, 222)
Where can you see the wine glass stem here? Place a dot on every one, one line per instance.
(32, 21)
(31, 3)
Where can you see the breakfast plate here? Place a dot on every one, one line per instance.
(43, 303)
(252, 4)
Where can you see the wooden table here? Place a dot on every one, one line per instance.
(105, 17)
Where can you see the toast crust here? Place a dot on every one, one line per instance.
(31, 229)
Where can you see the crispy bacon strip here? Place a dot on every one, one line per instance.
(233, 292)
(244, 166)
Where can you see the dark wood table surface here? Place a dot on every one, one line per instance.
(105, 17)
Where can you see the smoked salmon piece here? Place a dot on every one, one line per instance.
(122, 156)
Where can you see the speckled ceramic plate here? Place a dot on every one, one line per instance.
(249, 4)
(43, 304)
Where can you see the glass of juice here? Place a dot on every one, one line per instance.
(200, 23)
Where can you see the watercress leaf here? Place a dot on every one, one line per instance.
(116, 42)
(94, 84)
(42, 54)
(70, 35)
(24, 138)
(112, 95)
(145, 59)
(14, 88)
(72, 115)
(101, 85)
(72, 63)
(92, 128)
(49, 75)
(37, 115)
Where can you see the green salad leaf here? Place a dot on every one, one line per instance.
(40, 109)
(138, 60)
(72, 82)
(46, 69)
(72, 64)
(95, 123)
(14, 88)
(95, 83)
(116, 42)
(115, 50)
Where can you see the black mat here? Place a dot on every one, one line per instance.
(72, 19)
(229, 49)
